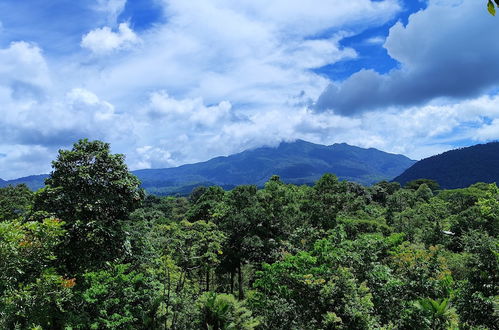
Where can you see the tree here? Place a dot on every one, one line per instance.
(225, 312)
(415, 184)
(477, 299)
(238, 218)
(195, 246)
(15, 201)
(93, 192)
(327, 199)
(31, 293)
(115, 298)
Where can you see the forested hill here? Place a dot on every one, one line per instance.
(35, 182)
(298, 162)
(458, 168)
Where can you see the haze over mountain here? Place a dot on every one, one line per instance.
(298, 162)
(457, 168)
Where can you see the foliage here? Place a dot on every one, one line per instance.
(15, 202)
(85, 253)
(27, 250)
(491, 6)
(416, 184)
(42, 302)
(93, 192)
(224, 312)
(118, 297)
(31, 292)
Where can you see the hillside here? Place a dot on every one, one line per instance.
(458, 168)
(298, 162)
(34, 182)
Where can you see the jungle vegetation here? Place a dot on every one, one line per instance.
(91, 250)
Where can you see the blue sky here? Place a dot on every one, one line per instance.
(169, 82)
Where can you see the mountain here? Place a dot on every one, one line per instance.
(298, 162)
(34, 182)
(457, 168)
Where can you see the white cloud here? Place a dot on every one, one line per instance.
(23, 63)
(416, 131)
(153, 157)
(218, 77)
(488, 131)
(188, 110)
(378, 40)
(19, 159)
(112, 8)
(104, 40)
(443, 51)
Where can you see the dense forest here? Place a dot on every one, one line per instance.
(91, 251)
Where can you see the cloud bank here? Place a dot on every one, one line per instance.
(211, 78)
(444, 51)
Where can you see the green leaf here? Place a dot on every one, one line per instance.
(491, 8)
(497, 2)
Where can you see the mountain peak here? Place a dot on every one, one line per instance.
(298, 162)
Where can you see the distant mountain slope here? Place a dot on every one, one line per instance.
(297, 162)
(34, 182)
(457, 168)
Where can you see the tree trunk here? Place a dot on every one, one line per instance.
(232, 282)
(240, 280)
(207, 280)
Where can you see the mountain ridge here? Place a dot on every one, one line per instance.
(457, 168)
(298, 162)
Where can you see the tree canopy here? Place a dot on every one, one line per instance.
(88, 251)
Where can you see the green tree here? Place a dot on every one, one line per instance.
(204, 201)
(117, 297)
(238, 217)
(31, 292)
(224, 312)
(196, 247)
(15, 201)
(328, 197)
(415, 184)
(478, 297)
(438, 314)
(304, 292)
(93, 192)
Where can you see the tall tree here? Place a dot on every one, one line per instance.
(93, 192)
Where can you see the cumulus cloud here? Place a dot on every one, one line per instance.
(104, 40)
(218, 77)
(19, 159)
(22, 64)
(442, 53)
(59, 121)
(153, 157)
(188, 110)
(417, 131)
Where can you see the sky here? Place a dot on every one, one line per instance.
(169, 82)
